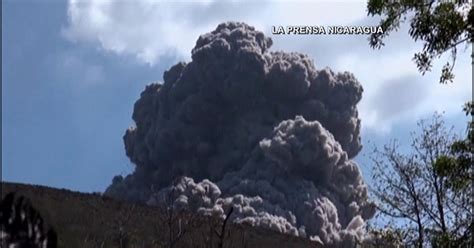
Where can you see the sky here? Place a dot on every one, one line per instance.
(72, 70)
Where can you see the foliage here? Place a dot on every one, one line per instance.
(22, 226)
(416, 190)
(440, 25)
(91, 220)
(388, 237)
(456, 169)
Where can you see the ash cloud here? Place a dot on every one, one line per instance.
(259, 130)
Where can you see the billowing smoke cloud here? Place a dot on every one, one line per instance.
(263, 132)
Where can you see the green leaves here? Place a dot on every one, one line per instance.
(428, 187)
(423, 61)
(447, 74)
(457, 168)
(454, 171)
(444, 165)
(440, 25)
(375, 7)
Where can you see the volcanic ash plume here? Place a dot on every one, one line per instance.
(263, 132)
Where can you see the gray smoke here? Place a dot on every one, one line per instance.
(264, 132)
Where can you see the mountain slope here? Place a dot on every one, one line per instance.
(92, 220)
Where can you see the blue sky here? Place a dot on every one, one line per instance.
(72, 72)
(65, 105)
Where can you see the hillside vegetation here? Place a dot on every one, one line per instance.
(92, 220)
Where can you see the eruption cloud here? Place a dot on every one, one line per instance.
(261, 131)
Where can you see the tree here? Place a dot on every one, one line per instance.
(119, 231)
(222, 233)
(416, 196)
(440, 25)
(458, 165)
(22, 226)
(175, 223)
(457, 171)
